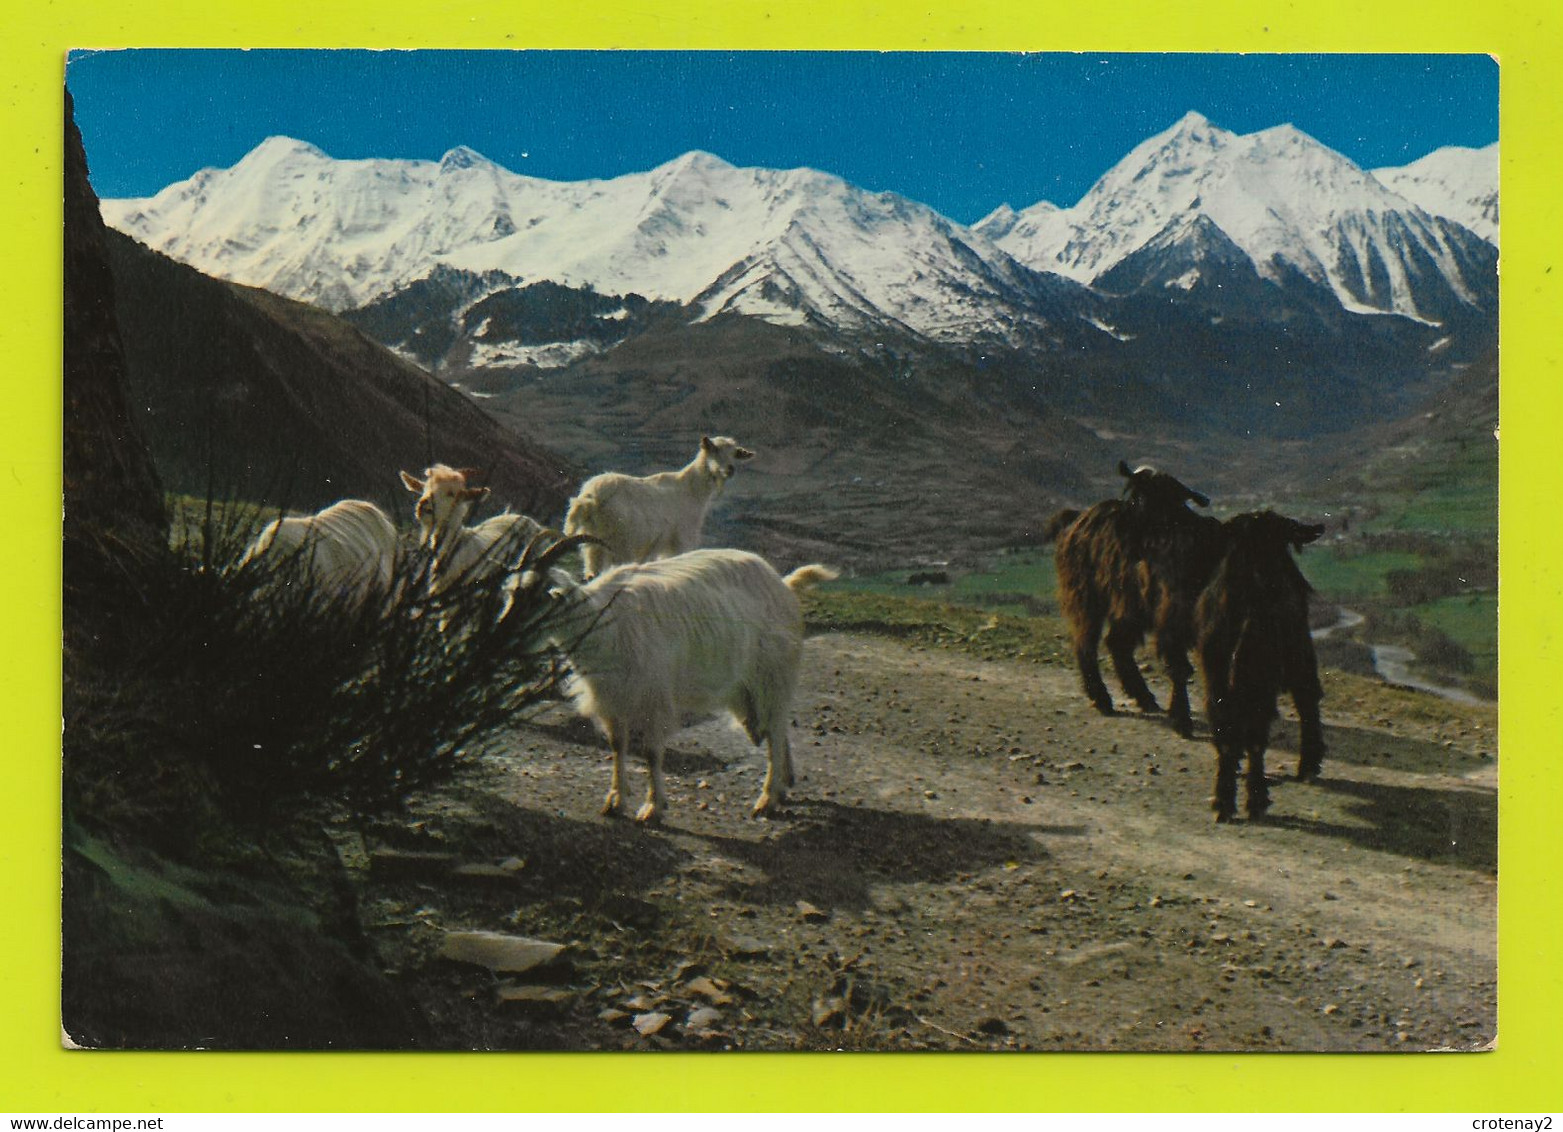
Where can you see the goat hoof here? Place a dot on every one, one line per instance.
(766, 806)
(610, 804)
(648, 815)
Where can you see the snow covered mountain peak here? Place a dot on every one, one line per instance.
(697, 162)
(464, 158)
(1192, 129)
(998, 223)
(1285, 135)
(1295, 207)
(1456, 181)
(279, 148)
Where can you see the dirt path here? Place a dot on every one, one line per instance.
(972, 859)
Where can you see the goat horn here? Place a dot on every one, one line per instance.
(1304, 533)
(1197, 498)
(553, 553)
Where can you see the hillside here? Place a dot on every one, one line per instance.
(252, 395)
(862, 459)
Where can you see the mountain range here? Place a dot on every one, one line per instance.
(912, 384)
(804, 248)
(791, 247)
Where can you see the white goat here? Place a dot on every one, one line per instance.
(346, 553)
(640, 518)
(462, 553)
(697, 633)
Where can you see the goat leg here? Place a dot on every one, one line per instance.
(1091, 680)
(1225, 801)
(778, 772)
(1120, 646)
(788, 778)
(1173, 649)
(1300, 675)
(1258, 785)
(1178, 710)
(1310, 759)
(650, 812)
(1085, 625)
(619, 740)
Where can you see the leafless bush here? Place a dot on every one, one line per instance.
(246, 681)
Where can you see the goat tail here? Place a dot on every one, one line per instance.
(1058, 523)
(806, 577)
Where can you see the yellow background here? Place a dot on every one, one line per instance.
(1523, 1075)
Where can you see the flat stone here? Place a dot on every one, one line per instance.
(703, 1019)
(648, 1024)
(744, 945)
(829, 1012)
(544, 999)
(687, 967)
(512, 954)
(708, 989)
(406, 864)
(486, 872)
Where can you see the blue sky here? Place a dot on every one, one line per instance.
(961, 132)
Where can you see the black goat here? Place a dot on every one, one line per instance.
(1135, 565)
(1254, 644)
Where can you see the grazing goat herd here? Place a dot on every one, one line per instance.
(657, 630)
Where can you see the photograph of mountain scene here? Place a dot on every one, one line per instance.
(923, 387)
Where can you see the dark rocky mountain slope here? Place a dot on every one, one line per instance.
(247, 394)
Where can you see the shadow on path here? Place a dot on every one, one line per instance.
(1451, 826)
(831, 854)
(567, 858)
(1377, 748)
